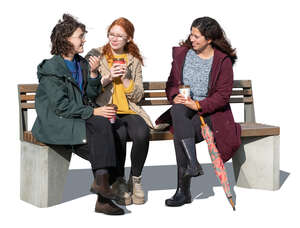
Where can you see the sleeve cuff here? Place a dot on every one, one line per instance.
(95, 81)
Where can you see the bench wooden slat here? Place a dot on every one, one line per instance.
(248, 130)
(241, 100)
(154, 94)
(160, 135)
(257, 129)
(162, 85)
(154, 102)
(248, 100)
(27, 88)
(27, 106)
(242, 84)
(154, 85)
(143, 102)
(28, 137)
(244, 92)
(27, 97)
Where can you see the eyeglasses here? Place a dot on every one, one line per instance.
(81, 37)
(117, 36)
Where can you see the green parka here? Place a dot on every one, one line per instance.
(61, 108)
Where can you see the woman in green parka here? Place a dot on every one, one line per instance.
(66, 114)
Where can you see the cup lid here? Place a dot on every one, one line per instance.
(184, 86)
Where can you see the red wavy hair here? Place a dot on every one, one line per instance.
(130, 47)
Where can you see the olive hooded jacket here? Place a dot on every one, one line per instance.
(60, 105)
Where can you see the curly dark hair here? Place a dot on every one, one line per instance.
(60, 33)
(211, 30)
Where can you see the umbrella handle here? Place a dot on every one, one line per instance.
(231, 202)
(202, 121)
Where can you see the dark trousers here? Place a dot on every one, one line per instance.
(132, 127)
(100, 149)
(186, 123)
(106, 144)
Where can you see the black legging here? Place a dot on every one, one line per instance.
(133, 127)
(187, 124)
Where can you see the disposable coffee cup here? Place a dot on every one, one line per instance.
(185, 90)
(113, 119)
(119, 60)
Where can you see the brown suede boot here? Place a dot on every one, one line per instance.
(101, 186)
(107, 207)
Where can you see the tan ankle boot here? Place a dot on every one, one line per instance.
(120, 189)
(136, 189)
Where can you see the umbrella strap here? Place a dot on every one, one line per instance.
(202, 121)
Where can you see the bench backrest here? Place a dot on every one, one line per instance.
(154, 95)
(241, 93)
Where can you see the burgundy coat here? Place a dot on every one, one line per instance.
(227, 133)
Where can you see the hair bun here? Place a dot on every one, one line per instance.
(67, 17)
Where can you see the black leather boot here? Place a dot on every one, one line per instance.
(194, 168)
(183, 194)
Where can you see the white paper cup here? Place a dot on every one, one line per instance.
(185, 91)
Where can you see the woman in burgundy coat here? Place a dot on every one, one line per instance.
(203, 62)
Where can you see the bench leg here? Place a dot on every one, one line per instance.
(43, 174)
(256, 163)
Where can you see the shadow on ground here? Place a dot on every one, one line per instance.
(156, 178)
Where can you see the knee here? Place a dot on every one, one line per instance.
(99, 123)
(141, 130)
(177, 109)
(142, 133)
(102, 121)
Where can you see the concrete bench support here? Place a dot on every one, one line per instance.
(43, 174)
(256, 163)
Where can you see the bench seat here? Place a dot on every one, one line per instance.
(248, 129)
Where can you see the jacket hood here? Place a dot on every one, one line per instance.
(55, 66)
(52, 67)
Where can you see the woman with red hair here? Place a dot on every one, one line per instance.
(120, 65)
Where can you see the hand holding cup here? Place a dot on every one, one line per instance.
(118, 68)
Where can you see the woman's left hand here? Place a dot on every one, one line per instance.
(191, 104)
(94, 63)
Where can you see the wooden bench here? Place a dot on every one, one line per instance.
(44, 169)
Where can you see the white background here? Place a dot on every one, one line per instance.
(266, 36)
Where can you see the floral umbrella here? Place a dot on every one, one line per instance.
(216, 160)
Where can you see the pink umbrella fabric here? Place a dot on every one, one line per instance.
(216, 160)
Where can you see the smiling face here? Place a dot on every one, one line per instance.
(77, 39)
(117, 39)
(199, 42)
